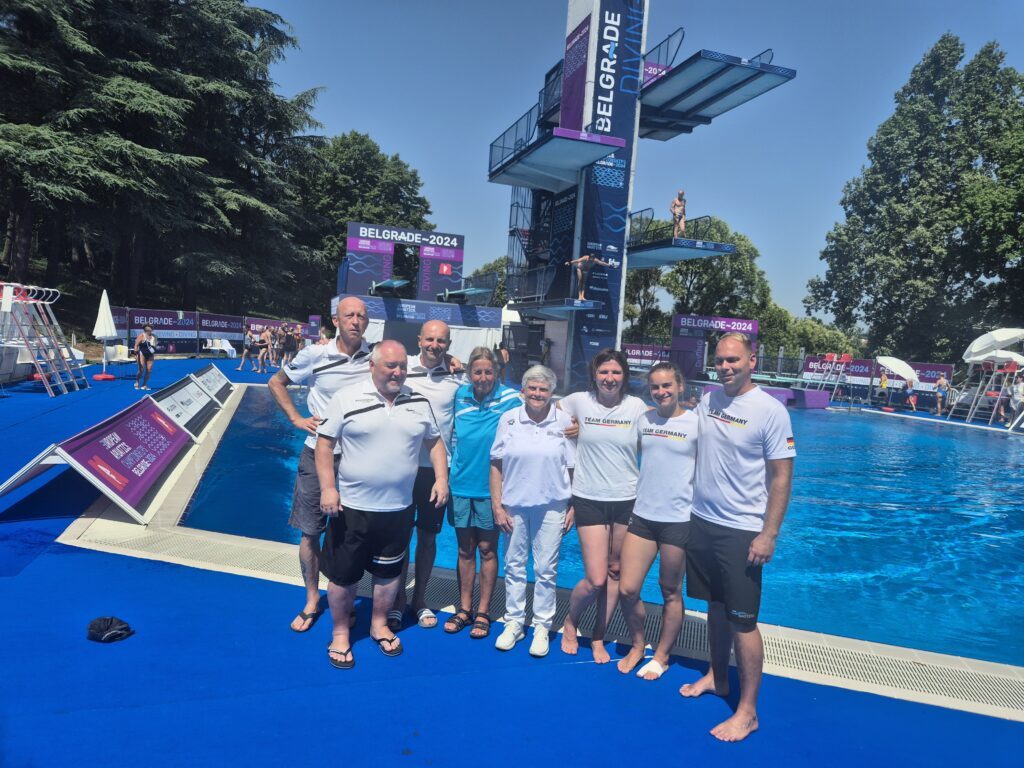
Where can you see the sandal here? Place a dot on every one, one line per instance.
(426, 618)
(340, 662)
(481, 626)
(395, 650)
(310, 617)
(395, 620)
(458, 622)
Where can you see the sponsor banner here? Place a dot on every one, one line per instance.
(653, 71)
(214, 382)
(129, 452)
(867, 372)
(220, 327)
(370, 245)
(417, 237)
(645, 355)
(574, 76)
(187, 403)
(616, 71)
(120, 320)
(315, 323)
(175, 330)
(259, 324)
(408, 311)
(683, 324)
(440, 270)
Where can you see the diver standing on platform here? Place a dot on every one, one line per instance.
(678, 210)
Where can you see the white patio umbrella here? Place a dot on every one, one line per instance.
(104, 331)
(1000, 356)
(993, 341)
(898, 367)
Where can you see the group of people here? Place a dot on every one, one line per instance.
(270, 347)
(398, 442)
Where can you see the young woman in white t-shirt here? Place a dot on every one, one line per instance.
(603, 490)
(660, 524)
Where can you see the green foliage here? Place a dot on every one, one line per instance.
(500, 266)
(931, 251)
(648, 322)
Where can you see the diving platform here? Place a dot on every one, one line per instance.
(555, 309)
(701, 88)
(651, 243)
(550, 160)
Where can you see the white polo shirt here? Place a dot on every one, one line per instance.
(380, 445)
(439, 386)
(668, 458)
(535, 458)
(325, 369)
(607, 468)
(737, 436)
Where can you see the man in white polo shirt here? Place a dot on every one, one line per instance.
(381, 427)
(744, 478)
(325, 368)
(431, 374)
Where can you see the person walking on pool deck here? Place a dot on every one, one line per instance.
(381, 426)
(744, 478)
(479, 406)
(325, 368)
(531, 477)
(430, 374)
(660, 523)
(603, 490)
(145, 351)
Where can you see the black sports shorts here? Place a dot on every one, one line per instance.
(717, 570)
(594, 512)
(359, 541)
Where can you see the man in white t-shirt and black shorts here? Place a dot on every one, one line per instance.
(325, 369)
(744, 478)
(381, 426)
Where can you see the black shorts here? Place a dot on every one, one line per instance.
(717, 570)
(358, 541)
(660, 532)
(306, 514)
(593, 512)
(428, 517)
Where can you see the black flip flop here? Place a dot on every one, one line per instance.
(337, 664)
(395, 651)
(310, 617)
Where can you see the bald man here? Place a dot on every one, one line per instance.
(434, 374)
(325, 368)
(678, 211)
(382, 426)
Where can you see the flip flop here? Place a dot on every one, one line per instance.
(396, 650)
(339, 663)
(395, 620)
(651, 666)
(426, 615)
(310, 617)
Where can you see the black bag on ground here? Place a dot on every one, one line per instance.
(108, 629)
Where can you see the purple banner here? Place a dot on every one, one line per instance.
(645, 355)
(683, 325)
(440, 271)
(406, 311)
(220, 327)
(861, 372)
(120, 320)
(574, 76)
(653, 71)
(260, 324)
(130, 451)
(175, 331)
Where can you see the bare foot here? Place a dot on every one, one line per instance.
(570, 643)
(736, 728)
(600, 654)
(628, 662)
(705, 685)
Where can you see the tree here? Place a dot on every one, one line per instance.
(500, 267)
(930, 252)
(647, 321)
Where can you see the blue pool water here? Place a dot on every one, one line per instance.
(904, 533)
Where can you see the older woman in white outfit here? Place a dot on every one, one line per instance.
(531, 479)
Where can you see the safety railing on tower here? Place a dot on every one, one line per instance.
(661, 57)
(530, 285)
(644, 229)
(520, 135)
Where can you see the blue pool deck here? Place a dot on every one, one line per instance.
(214, 675)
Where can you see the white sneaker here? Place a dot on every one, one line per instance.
(509, 636)
(539, 644)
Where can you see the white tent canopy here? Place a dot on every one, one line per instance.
(898, 367)
(999, 356)
(993, 341)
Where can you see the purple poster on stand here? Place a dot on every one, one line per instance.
(175, 330)
(440, 270)
(574, 76)
(130, 451)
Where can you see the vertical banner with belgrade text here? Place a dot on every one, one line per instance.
(617, 71)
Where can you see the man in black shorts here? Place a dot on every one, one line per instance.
(381, 426)
(744, 477)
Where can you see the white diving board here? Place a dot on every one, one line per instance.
(664, 253)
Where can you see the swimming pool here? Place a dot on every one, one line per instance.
(910, 534)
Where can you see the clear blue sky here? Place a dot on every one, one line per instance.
(435, 81)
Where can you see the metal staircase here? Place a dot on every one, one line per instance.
(28, 318)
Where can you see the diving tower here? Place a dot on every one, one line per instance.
(651, 243)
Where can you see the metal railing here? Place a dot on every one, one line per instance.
(521, 134)
(531, 284)
(663, 55)
(550, 96)
(644, 229)
(764, 57)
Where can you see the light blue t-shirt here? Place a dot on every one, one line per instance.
(475, 425)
